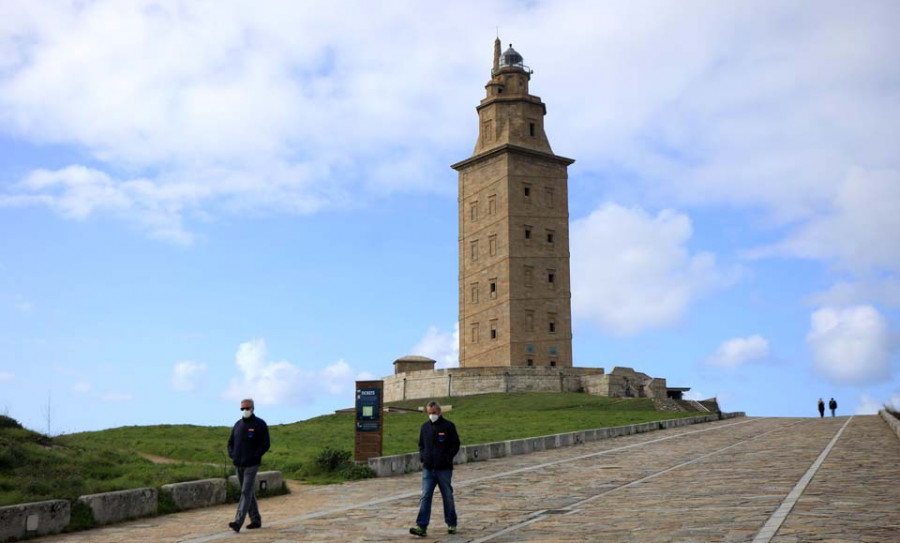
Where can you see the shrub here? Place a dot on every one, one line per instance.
(330, 460)
(9, 422)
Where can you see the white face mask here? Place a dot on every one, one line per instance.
(246, 414)
(433, 418)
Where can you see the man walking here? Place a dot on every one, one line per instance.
(821, 408)
(438, 444)
(832, 405)
(248, 442)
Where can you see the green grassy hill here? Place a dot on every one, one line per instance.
(35, 467)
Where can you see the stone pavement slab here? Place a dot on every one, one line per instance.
(719, 481)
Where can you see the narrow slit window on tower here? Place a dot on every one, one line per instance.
(474, 333)
(486, 130)
(494, 329)
(474, 250)
(529, 320)
(492, 245)
(531, 129)
(473, 210)
(492, 204)
(526, 190)
(529, 276)
(551, 323)
(550, 236)
(493, 288)
(527, 232)
(551, 278)
(473, 293)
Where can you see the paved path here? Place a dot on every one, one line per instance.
(748, 479)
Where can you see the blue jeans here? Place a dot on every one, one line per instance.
(430, 479)
(247, 505)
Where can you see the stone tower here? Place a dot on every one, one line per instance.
(514, 294)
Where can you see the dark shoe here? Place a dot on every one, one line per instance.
(418, 530)
(254, 525)
(234, 526)
(451, 529)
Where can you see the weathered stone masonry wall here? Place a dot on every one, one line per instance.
(470, 381)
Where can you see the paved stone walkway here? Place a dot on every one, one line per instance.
(720, 481)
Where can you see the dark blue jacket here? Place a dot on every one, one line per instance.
(249, 440)
(438, 444)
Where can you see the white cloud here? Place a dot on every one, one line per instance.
(116, 397)
(6, 376)
(881, 291)
(271, 383)
(185, 375)
(738, 351)
(850, 345)
(632, 271)
(441, 346)
(867, 405)
(82, 387)
(767, 106)
(857, 232)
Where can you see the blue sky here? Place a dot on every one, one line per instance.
(202, 201)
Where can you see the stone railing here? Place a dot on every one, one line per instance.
(40, 518)
(891, 421)
(399, 464)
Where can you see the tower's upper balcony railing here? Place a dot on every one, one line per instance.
(510, 59)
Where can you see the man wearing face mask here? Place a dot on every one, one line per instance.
(438, 444)
(248, 442)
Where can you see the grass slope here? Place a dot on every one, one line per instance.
(34, 467)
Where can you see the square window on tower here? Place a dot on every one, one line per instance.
(551, 236)
(529, 362)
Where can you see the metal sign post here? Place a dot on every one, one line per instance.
(369, 420)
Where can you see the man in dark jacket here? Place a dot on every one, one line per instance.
(832, 405)
(438, 444)
(248, 442)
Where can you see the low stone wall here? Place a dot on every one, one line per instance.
(266, 481)
(891, 421)
(193, 494)
(399, 464)
(451, 382)
(111, 507)
(33, 519)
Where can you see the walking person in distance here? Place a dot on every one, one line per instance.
(438, 444)
(821, 408)
(832, 405)
(248, 442)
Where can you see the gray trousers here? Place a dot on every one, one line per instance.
(247, 505)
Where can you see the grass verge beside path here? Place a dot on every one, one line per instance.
(34, 467)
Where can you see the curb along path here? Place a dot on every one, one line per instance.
(720, 481)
